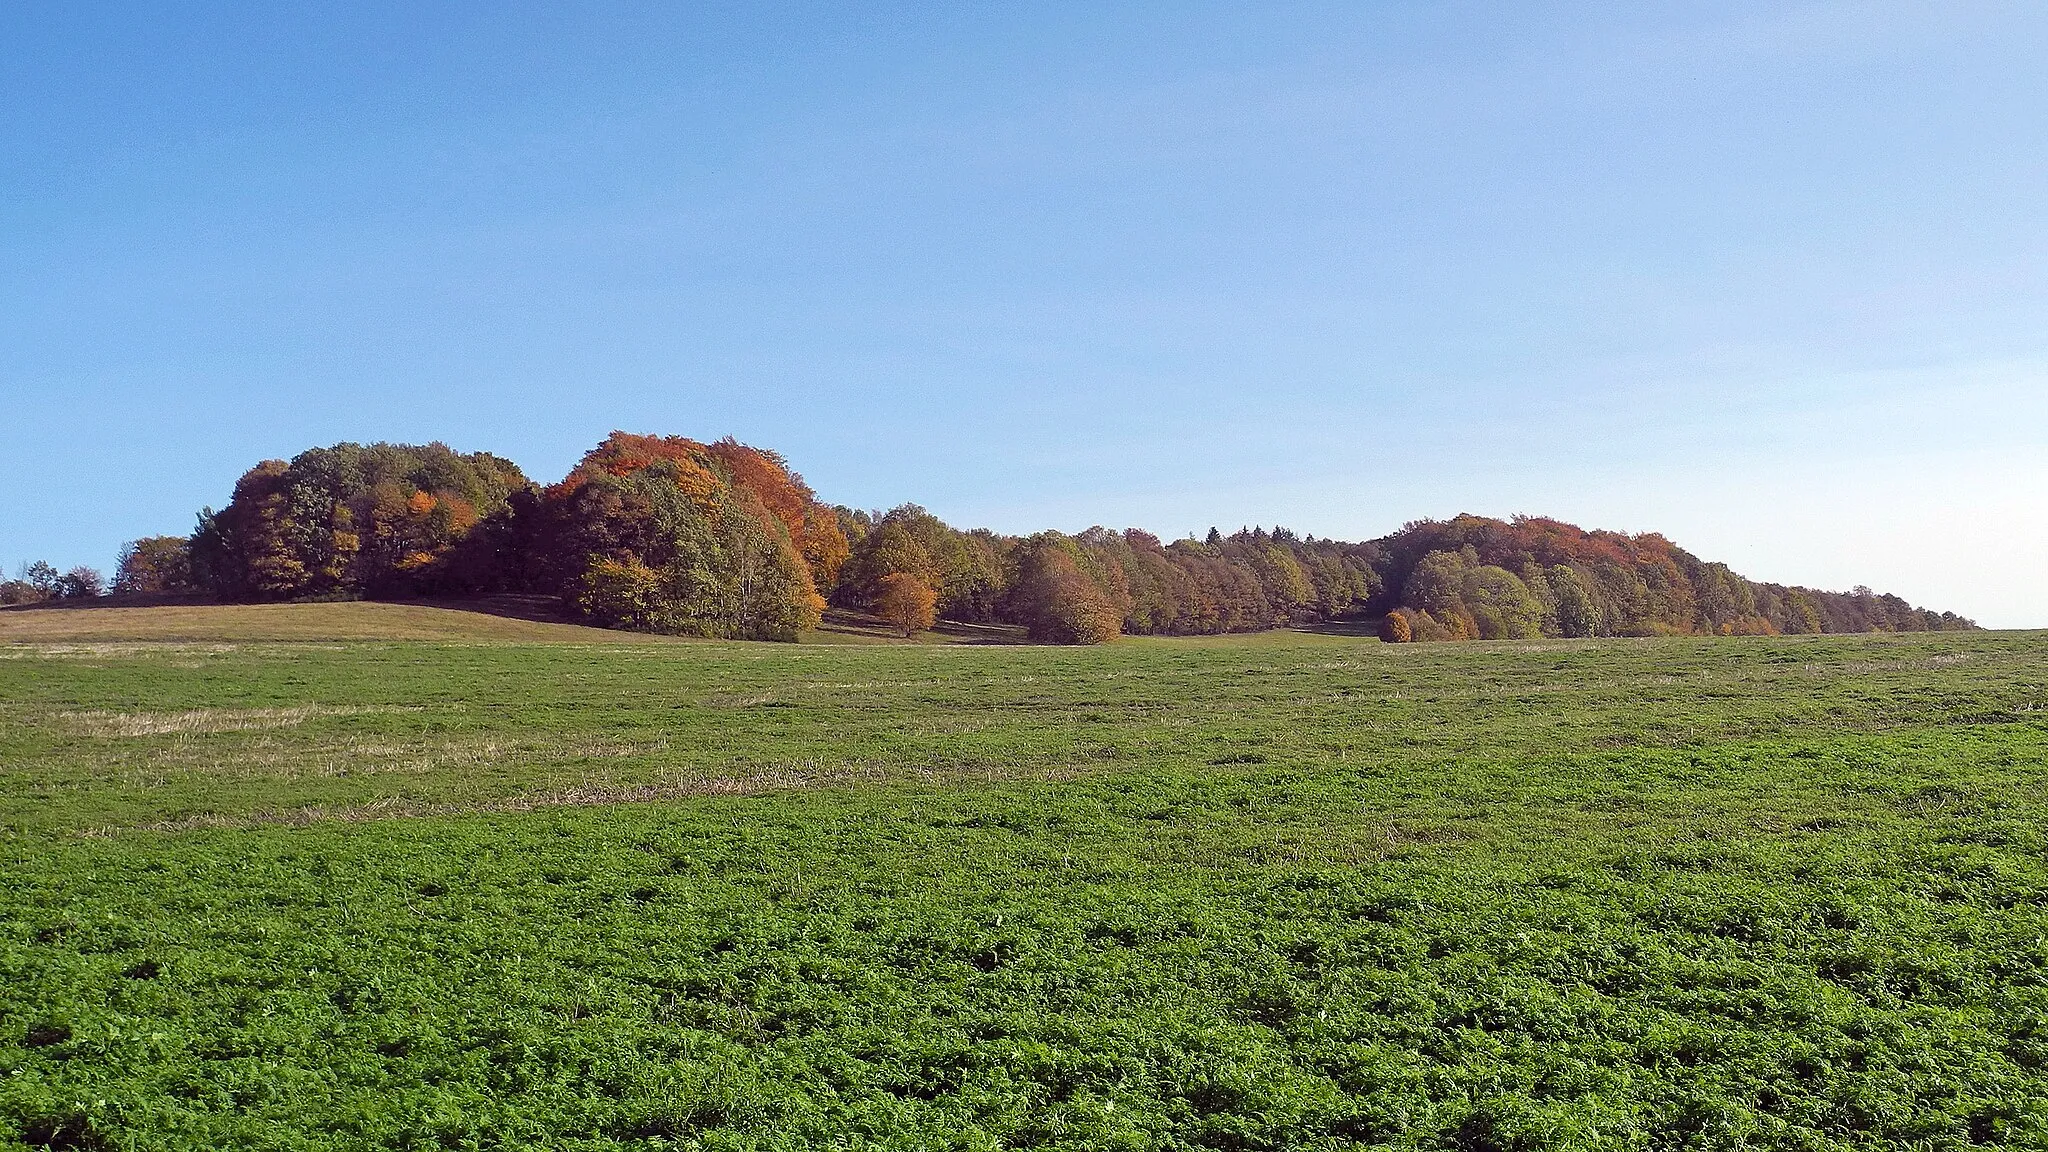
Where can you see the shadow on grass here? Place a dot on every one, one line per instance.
(537, 609)
(1366, 629)
(863, 628)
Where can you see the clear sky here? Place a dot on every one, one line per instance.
(1771, 279)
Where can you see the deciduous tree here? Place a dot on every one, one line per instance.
(1578, 614)
(154, 564)
(81, 583)
(906, 602)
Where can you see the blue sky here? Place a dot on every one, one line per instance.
(1770, 279)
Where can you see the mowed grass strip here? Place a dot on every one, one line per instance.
(1275, 892)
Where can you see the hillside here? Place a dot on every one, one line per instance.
(521, 620)
(239, 623)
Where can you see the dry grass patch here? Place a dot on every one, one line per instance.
(104, 723)
(40, 651)
(273, 759)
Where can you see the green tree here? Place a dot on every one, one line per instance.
(1578, 613)
(350, 519)
(889, 548)
(1437, 586)
(42, 578)
(620, 594)
(1501, 604)
(1802, 615)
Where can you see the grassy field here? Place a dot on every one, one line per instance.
(421, 882)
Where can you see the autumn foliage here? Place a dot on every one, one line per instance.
(1099, 583)
(353, 520)
(668, 534)
(906, 601)
(154, 565)
(1478, 578)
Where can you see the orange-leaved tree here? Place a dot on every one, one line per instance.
(1055, 599)
(813, 527)
(905, 601)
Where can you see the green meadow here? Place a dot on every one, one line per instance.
(399, 884)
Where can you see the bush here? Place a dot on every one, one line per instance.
(618, 593)
(1395, 629)
(1425, 627)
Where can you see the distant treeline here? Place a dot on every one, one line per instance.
(671, 535)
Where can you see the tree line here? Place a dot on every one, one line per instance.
(1473, 577)
(667, 534)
